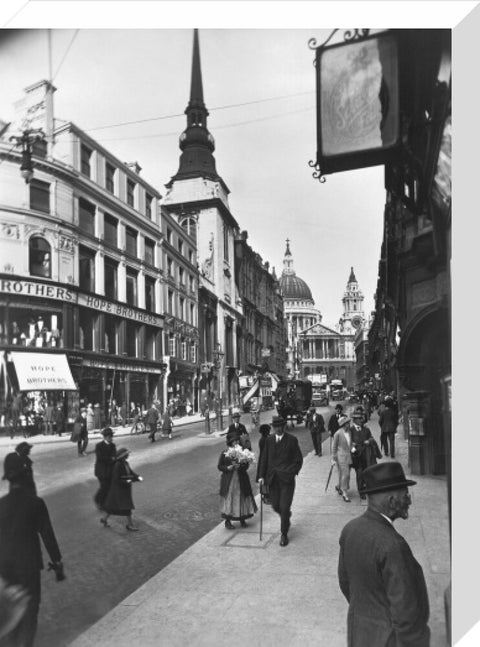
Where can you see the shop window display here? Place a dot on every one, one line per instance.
(28, 328)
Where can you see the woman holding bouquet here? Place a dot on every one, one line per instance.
(237, 502)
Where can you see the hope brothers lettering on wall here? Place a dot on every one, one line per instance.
(45, 290)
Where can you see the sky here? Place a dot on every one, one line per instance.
(259, 87)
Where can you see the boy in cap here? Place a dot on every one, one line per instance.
(105, 453)
(377, 572)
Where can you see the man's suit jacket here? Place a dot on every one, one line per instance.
(316, 423)
(333, 423)
(281, 459)
(384, 585)
(236, 433)
(24, 519)
(105, 459)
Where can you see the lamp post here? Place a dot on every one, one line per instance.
(26, 141)
(218, 355)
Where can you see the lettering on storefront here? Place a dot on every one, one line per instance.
(46, 290)
(98, 363)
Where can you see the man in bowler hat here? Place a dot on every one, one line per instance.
(377, 572)
(105, 454)
(22, 452)
(24, 519)
(280, 463)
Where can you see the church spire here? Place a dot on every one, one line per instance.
(352, 278)
(288, 261)
(196, 143)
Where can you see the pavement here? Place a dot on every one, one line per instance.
(237, 587)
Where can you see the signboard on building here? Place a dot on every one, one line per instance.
(43, 372)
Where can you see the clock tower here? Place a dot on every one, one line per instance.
(353, 315)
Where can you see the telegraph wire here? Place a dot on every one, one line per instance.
(65, 55)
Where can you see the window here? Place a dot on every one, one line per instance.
(183, 349)
(169, 267)
(172, 347)
(110, 177)
(170, 302)
(110, 230)
(181, 314)
(191, 283)
(131, 331)
(40, 196)
(192, 314)
(86, 155)
(131, 287)
(86, 219)
(131, 241)
(181, 276)
(86, 268)
(87, 320)
(169, 235)
(149, 251)
(131, 192)
(150, 336)
(40, 262)
(193, 353)
(148, 205)
(111, 331)
(225, 243)
(111, 269)
(190, 256)
(190, 226)
(149, 294)
(180, 246)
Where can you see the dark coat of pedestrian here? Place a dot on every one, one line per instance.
(361, 439)
(281, 461)
(388, 421)
(24, 519)
(97, 416)
(316, 424)
(167, 425)
(105, 456)
(80, 433)
(377, 572)
(333, 420)
(119, 501)
(237, 432)
(59, 420)
(151, 421)
(22, 452)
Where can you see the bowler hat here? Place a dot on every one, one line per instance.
(122, 452)
(343, 421)
(383, 477)
(108, 431)
(23, 446)
(235, 415)
(278, 421)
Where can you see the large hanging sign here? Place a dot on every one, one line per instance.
(43, 372)
(358, 123)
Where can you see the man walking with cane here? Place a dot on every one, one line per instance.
(280, 462)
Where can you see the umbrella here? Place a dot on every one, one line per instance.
(329, 476)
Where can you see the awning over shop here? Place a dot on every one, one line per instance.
(251, 392)
(42, 372)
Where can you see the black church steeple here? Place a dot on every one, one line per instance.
(196, 143)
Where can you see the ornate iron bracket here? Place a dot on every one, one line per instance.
(317, 174)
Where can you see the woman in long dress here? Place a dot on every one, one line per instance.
(119, 499)
(237, 502)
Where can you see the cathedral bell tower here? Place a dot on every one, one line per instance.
(353, 315)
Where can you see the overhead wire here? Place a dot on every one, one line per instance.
(65, 54)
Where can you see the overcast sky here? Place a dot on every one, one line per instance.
(259, 86)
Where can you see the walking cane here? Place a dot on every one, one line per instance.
(329, 476)
(261, 513)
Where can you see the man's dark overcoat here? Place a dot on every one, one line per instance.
(281, 459)
(383, 584)
(105, 454)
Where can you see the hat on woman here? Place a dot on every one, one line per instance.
(23, 446)
(383, 477)
(264, 429)
(123, 452)
(343, 421)
(108, 431)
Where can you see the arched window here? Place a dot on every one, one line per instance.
(40, 257)
(190, 226)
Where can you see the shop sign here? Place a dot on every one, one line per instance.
(43, 372)
(358, 116)
(136, 368)
(68, 295)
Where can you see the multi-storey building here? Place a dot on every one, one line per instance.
(180, 298)
(81, 264)
(261, 334)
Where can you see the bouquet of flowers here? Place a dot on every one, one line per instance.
(239, 455)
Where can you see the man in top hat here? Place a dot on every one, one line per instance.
(377, 572)
(22, 451)
(280, 463)
(105, 454)
(361, 438)
(316, 424)
(24, 519)
(333, 421)
(237, 432)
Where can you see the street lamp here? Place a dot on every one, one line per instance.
(218, 357)
(26, 141)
